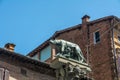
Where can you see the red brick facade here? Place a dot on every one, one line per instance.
(100, 55)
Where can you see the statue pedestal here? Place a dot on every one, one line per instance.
(60, 61)
(69, 69)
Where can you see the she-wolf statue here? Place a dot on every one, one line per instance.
(68, 49)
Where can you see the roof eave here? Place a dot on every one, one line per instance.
(69, 29)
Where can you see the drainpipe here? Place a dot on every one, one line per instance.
(114, 51)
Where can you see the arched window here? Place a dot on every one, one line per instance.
(4, 74)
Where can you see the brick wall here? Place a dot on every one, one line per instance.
(75, 36)
(14, 68)
(100, 54)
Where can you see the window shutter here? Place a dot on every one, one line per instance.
(1, 73)
(6, 75)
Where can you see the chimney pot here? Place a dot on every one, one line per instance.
(10, 46)
(85, 18)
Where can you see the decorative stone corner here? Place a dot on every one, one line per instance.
(69, 69)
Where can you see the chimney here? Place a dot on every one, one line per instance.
(85, 18)
(10, 47)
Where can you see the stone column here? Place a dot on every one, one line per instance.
(53, 51)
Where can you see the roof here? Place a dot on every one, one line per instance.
(27, 62)
(34, 64)
(46, 43)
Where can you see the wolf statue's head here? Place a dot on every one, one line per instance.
(56, 42)
(58, 45)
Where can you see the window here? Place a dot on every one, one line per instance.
(35, 57)
(1, 73)
(45, 54)
(4, 74)
(24, 72)
(96, 37)
(119, 38)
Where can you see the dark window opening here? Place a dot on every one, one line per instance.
(24, 72)
(96, 37)
(118, 38)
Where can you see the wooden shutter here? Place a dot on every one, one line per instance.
(1, 73)
(6, 75)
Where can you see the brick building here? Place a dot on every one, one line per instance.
(14, 66)
(99, 40)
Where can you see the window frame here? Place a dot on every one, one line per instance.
(4, 74)
(118, 37)
(42, 51)
(94, 36)
(23, 71)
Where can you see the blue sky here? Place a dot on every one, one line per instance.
(28, 23)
